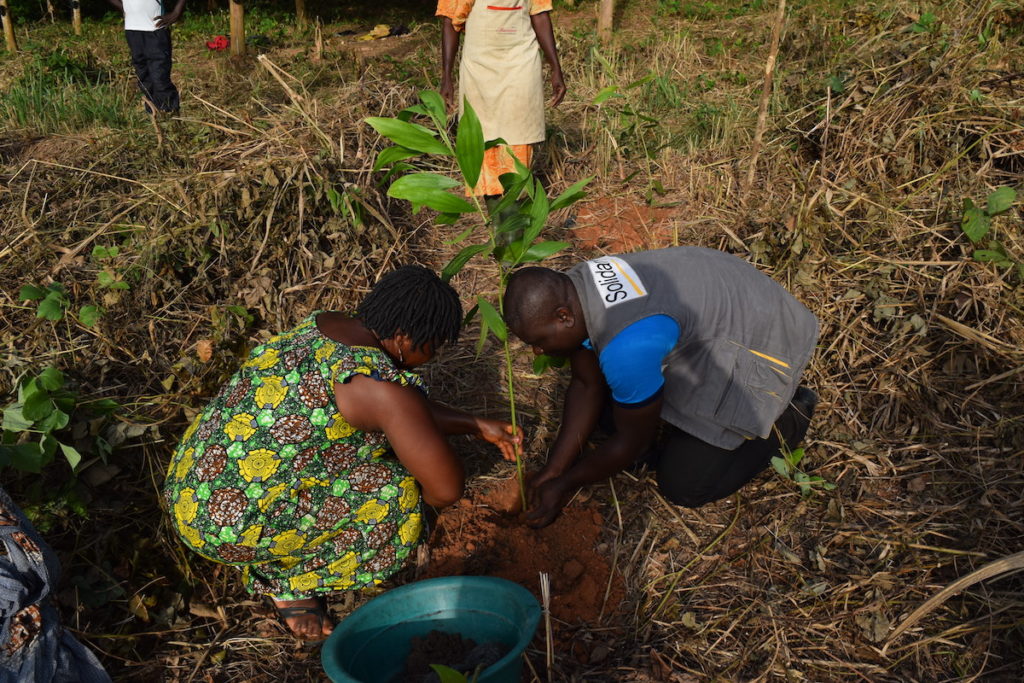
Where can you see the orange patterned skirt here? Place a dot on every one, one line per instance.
(498, 161)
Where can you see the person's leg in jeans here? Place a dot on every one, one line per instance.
(164, 94)
(692, 472)
(137, 44)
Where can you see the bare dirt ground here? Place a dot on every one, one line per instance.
(258, 205)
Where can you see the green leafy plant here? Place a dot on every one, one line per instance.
(543, 361)
(788, 466)
(347, 203)
(926, 23)
(39, 423)
(976, 224)
(100, 252)
(509, 231)
(450, 675)
(108, 277)
(53, 300)
(53, 303)
(89, 314)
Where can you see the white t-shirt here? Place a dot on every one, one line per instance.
(140, 15)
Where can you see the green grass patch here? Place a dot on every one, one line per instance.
(727, 9)
(59, 93)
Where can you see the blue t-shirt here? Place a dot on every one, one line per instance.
(631, 362)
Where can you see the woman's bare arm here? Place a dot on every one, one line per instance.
(403, 414)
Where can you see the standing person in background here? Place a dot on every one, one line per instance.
(148, 31)
(501, 75)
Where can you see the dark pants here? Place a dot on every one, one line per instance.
(691, 472)
(151, 57)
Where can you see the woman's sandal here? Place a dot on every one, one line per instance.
(319, 610)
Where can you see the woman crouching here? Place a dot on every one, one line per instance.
(308, 469)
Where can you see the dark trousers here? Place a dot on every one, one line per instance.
(151, 57)
(691, 472)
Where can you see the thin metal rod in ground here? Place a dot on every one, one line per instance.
(549, 641)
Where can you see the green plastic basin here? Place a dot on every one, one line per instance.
(371, 645)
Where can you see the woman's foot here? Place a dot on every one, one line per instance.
(307, 618)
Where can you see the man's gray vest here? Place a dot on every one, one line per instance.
(744, 340)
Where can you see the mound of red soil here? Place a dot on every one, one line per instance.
(620, 224)
(484, 536)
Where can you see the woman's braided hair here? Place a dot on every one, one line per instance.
(413, 300)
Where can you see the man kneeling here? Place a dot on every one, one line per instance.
(694, 337)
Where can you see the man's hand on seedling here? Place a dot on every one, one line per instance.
(537, 479)
(546, 501)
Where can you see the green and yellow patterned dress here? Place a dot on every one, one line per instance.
(271, 478)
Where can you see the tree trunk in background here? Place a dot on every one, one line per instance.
(604, 20)
(300, 13)
(76, 17)
(318, 42)
(237, 28)
(8, 22)
(211, 5)
(49, 10)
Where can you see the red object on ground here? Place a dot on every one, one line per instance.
(219, 43)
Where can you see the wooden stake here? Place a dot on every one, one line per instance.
(8, 22)
(766, 92)
(605, 19)
(318, 43)
(76, 17)
(237, 28)
(300, 13)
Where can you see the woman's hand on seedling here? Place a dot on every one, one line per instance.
(546, 501)
(500, 433)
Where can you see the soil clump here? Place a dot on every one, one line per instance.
(622, 224)
(482, 535)
(451, 650)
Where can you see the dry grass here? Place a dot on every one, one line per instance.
(855, 207)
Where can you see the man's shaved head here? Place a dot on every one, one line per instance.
(534, 294)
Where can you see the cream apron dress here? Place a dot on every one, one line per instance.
(501, 72)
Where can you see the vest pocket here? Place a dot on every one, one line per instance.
(756, 395)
